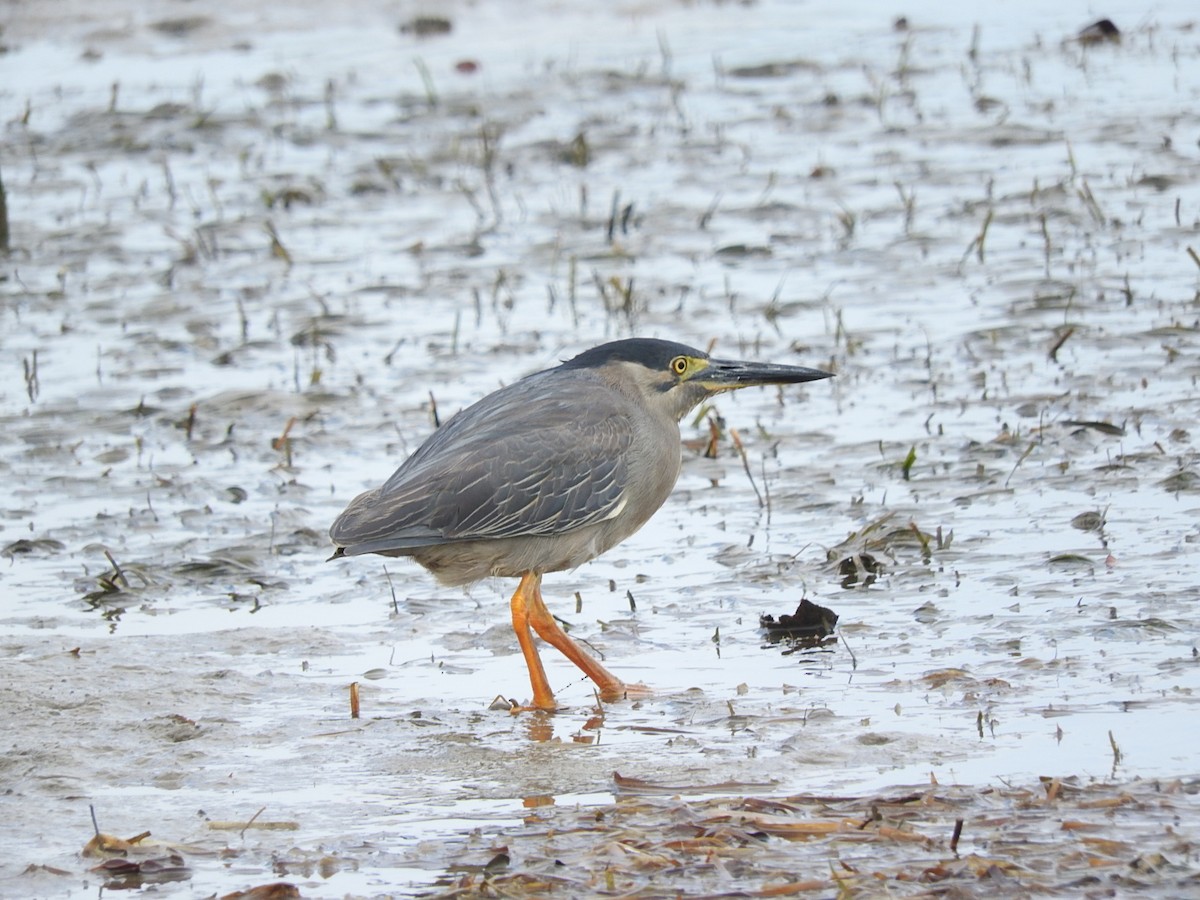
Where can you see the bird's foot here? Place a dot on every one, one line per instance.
(611, 693)
(512, 706)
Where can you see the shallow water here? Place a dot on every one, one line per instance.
(985, 235)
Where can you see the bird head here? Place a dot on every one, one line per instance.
(673, 378)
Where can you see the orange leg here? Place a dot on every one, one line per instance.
(528, 592)
(610, 686)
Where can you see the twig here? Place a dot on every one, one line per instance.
(850, 650)
(714, 435)
(32, 385)
(431, 96)
(610, 231)
(958, 827)
(737, 443)
(433, 413)
(1115, 749)
(766, 488)
(1047, 246)
(284, 443)
(117, 573)
(392, 588)
(3, 218)
(242, 833)
(979, 242)
(1062, 339)
(1028, 450)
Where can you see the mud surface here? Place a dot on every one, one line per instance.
(250, 252)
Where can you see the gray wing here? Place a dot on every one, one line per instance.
(505, 467)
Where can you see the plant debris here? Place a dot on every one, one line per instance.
(808, 621)
(1057, 837)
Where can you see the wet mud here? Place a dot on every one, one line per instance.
(251, 259)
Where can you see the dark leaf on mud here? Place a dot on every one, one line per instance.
(1102, 427)
(318, 332)
(34, 868)
(180, 27)
(809, 620)
(773, 69)
(873, 739)
(173, 729)
(1069, 560)
(25, 546)
(1088, 521)
(427, 26)
(943, 677)
(1102, 31)
(216, 567)
(143, 411)
(741, 251)
(862, 568)
(117, 866)
(130, 873)
(1184, 480)
(641, 786)
(280, 890)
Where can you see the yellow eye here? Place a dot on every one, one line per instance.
(679, 365)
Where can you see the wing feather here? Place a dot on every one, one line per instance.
(507, 467)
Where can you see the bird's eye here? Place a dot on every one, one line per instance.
(679, 365)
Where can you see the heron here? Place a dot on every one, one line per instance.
(546, 474)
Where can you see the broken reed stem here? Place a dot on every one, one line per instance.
(242, 833)
(431, 95)
(766, 488)
(281, 441)
(32, 384)
(979, 244)
(354, 708)
(737, 443)
(284, 443)
(1062, 339)
(958, 827)
(1195, 258)
(714, 436)
(1024, 455)
(3, 217)
(278, 251)
(190, 422)
(118, 575)
(612, 217)
(392, 588)
(1047, 246)
(849, 650)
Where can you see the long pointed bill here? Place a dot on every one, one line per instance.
(729, 375)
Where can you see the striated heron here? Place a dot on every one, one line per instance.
(545, 474)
